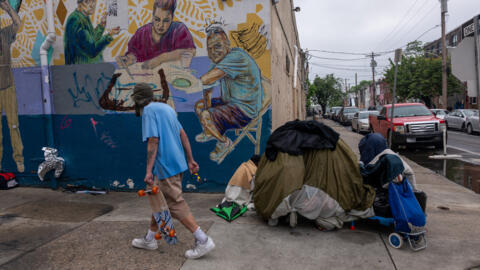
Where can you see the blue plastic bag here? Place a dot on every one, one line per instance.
(406, 210)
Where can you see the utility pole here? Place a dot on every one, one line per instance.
(373, 64)
(356, 92)
(444, 10)
(398, 56)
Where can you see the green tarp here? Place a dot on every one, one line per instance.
(336, 172)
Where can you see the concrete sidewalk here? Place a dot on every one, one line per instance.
(45, 229)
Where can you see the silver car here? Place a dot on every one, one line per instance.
(360, 121)
(473, 124)
(439, 113)
(457, 119)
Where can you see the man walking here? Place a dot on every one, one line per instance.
(8, 97)
(166, 148)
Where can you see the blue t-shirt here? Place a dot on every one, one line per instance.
(242, 84)
(159, 120)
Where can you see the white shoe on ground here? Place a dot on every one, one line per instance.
(200, 249)
(143, 243)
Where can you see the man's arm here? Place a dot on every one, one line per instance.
(152, 150)
(16, 22)
(212, 76)
(192, 165)
(166, 57)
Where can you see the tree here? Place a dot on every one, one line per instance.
(326, 91)
(420, 77)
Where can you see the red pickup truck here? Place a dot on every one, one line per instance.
(413, 124)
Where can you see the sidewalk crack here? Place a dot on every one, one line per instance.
(388, 251)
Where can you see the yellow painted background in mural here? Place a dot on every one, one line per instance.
(193, 13)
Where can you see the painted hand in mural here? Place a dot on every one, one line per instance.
(103, 20)
(125, 61)
(114, 31)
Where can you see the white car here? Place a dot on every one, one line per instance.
(360, 121)
(473, 123)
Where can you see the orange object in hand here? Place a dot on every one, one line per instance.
(158, 236)
(143, 192)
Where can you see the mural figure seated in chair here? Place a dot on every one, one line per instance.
(241, 91)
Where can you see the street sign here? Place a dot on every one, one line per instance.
(398, 55)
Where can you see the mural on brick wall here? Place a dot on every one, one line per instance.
(11, 24)
(208, 59)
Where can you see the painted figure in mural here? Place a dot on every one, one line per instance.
(167, 145)
(83, 43)
(241, 91)
(160, 41)
(8, 97)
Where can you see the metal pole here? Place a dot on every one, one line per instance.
(477, 71)
(444, 56)
(373, 64)
(398, 54)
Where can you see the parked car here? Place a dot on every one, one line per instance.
(360, 121)
(413, 124)
(457, 118)
(345, 115)
(440, 113)
(473, 123)
(333, 113)
(328, 113)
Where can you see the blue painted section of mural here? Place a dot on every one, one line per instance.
(100, 150)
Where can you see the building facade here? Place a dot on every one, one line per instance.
(462, 43)
(74, 95)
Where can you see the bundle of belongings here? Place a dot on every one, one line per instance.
(7, 180)
(394, 183)
(238, 194)
(307, 169)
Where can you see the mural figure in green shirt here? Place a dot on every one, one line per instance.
(84, 44)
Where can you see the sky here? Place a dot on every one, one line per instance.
(354, 28)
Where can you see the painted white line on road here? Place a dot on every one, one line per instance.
(464, 150)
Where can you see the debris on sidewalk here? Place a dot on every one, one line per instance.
(81, 189)
(238, 194)
(7, 180)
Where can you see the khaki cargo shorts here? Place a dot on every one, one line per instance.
(170, 197)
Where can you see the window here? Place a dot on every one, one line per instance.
(414, 110)
(473, 100)
(454, 40)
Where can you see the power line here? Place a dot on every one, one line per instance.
(338, 59)
(340, 65)
(337, 52)
(399, 22)
(413, 24)
(338, 68)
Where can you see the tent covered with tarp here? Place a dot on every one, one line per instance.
(308, 169)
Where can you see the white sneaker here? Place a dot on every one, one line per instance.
(143, 243)
(200, 249)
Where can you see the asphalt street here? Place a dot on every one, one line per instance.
(461, 141)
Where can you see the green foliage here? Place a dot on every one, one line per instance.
(361, 86)
(326, 91)
(420, 77)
